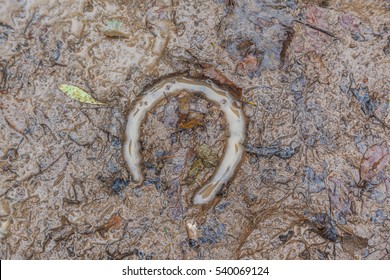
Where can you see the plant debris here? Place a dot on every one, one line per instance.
(205, 158)
(212, 73)
(114, 29)
(78, 94)
(375, 159)
(115, 222)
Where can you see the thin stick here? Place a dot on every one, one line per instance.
(316, 28)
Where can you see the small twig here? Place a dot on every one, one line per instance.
(4, 77)
(59, 64)
(44, 127)
(21, 140)
(381, 121)
(97, 107)
(316, 28)
(29, 22)
(6, 25)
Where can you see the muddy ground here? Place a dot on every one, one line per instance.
(314, 80)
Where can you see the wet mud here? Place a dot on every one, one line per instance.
(313, 81)
(233, 113)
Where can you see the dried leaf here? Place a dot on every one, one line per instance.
(351, 243)
(205, 158)
(249, 65)
(212, 73)
(191, 123)
(339, 196)
(207, 155)
(184, 106)
(250, 62)
(196, 167)
(115, 222)
(375, 159)
(78, 94)
(187, 119)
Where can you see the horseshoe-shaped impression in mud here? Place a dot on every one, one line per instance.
(233, 113)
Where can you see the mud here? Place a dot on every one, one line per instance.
(233, 114)
(313, 80)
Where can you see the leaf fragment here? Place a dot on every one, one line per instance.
(210, 72)
(191, 123)
(78, 94)
(115, 222)
(375, 159)
(205, 158)
(114, 29)
(207, 155)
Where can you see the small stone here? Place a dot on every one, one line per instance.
(192, 230)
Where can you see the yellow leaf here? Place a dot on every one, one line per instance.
(248, 102)
(78, 94)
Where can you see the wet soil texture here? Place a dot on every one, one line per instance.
(313, 80)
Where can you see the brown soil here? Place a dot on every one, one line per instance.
(314, 80)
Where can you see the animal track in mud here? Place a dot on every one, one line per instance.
(234, 116)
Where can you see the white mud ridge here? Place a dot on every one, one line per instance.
(228, 104)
